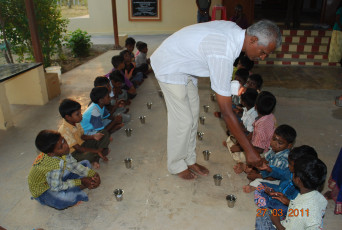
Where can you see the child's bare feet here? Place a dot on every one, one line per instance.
(105, 151)
(187, 175)
(201, 170)
(235, 148)
(96, 165)
(248, 188)
(239, 168)
(217, 114)
(224, 143)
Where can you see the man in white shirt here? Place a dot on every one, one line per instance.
(202, 50)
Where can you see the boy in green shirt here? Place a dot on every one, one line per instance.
(56, 179)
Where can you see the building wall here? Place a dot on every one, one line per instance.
(176, 14)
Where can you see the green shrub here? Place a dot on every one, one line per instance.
(79, 43)
(14, 26)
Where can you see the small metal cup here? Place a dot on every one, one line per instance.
(202, 119)
(142, 119)
(231, 199)
(160, 93)
(217, 179)
(128, 132)
(118, 193)
(213, 96)
(128, 162)
(149, 105)
(206, 154)
(200, 135)
(206, 108)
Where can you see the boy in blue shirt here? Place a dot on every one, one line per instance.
(271, 196)
(97, 117)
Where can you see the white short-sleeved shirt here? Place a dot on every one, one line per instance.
(306, 212)
(200, 50)
(248, 118)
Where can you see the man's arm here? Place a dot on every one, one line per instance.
(225, 104)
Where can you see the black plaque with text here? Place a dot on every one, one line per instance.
(145, 8)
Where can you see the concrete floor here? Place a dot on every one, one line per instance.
(153, 198)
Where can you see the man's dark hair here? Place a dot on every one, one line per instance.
(249, 97)
(286, 132)
(301, 151)
(98, 93)
(243, 74)
(265, 103)
(101, 81)
(257, 79)
(141, 45)
(68, 106)
(116, 76)
(130, 41)
(117, 60)
(46, 140)
(311, 171)
(246, 62)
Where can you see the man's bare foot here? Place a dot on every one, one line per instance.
(239, 168)
(248, 188)
(201, 170)
(224, 143)
(187, 175)
(96, 165)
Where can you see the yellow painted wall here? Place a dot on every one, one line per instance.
(176, 14)
(28, 88)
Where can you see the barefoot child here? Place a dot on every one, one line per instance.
(263, 128)
(141, 60)
(271, 196)
(56, 179)
(281, 143)
(309, 175)
(97, 117)
(117, 108)
(82, 147)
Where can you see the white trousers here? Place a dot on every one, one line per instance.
(182, 103)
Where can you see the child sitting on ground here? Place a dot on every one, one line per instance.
(254, 81)
(281, 143)
(241, 76)
(131, 73)
(243, 62)
(249, 113)
(141, 60)
(117, 81)
(263, 129)
(116, 107)
(97, 117)
(276, 198)
(119, 64)
(82, 147)
(309, 175)
(56, 179)
(129, 44)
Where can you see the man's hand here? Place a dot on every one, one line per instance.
(98, 136)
